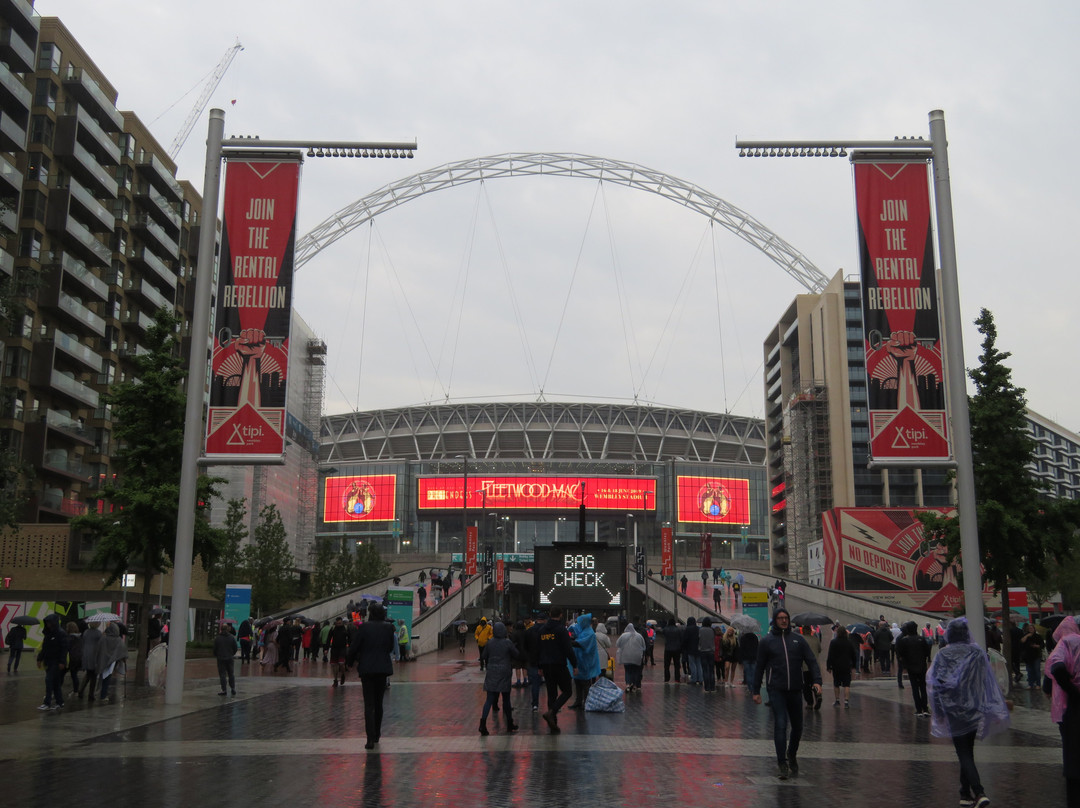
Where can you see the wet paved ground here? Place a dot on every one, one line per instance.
(292, 739)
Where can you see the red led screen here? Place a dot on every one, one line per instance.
(714, 500)
(360, 498)
(538, 493)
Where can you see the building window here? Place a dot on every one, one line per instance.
(49, 57)
(30, 244)
(33, 205)
(16, 363)
(28, 326)
(38, 170)
(41, 130)
(45, 94)
(127, 145)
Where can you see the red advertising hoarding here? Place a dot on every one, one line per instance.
(901, 329)
(714, 500)
(500, 575)
(250, 356)
(667, 552)
(882, 552)
(360, 498)
(472, 547)
(538, 493)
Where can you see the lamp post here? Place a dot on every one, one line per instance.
(464, 525)
(216, 146)
(937, 152)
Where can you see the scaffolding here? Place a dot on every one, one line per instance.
(307, 505)
(808, 472)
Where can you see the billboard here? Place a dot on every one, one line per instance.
(538, 493)
(714, 500)
(882, 552)
(360, 498)
(580, 576)
(901, 330)
(250, 356)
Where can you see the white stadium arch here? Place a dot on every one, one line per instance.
(739, 222)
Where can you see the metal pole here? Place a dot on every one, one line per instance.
(193, 416)
(957, 380)
(464, 527)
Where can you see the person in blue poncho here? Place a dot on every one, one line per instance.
(586, 660)
(965, 703)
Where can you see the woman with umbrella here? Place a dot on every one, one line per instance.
(15, 639)
(111, 659)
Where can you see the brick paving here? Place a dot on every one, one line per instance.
(293, 738)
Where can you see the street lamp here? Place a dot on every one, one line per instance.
(936, 150)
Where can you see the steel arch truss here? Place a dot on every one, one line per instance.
(739, 222)
(542, 431)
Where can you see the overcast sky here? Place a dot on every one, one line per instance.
(577, 290)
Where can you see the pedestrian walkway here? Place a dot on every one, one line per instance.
(293, 739)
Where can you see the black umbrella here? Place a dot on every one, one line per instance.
(24, 620)
(1050, 623)
(811, 619)
(262, 621)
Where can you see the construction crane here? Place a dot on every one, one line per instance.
(204, 98)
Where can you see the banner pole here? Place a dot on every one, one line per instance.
(956, 376)
(193, 417)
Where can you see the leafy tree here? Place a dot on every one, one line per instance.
(138, 529)
(270, 564)
(1020, 531)
(369, 565)
(13, 291)
(229, 568)
(322, 585)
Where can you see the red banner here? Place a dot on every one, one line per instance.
(360, 498)
(902, 334)
(500, 575)
(538, 493)
(714, 500)
(882, 552)
(250, 358)
(667, 552)
(472, 542)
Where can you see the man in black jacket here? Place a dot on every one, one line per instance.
(53, 656)
(781, 654)
(556, 651)
(673, 637)
(913, 653)
(532, 658)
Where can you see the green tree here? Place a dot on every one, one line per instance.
(13, 291)
(322, 582)
(137, 531)
(1020, 530)
(369, 565)
(270, 564)
(229, 567)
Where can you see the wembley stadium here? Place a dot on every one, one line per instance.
(524, 475)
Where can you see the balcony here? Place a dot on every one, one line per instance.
(154, 232)
(91, 96)
(51, 296)
(76, 125)
(160, 177)
(78, 239)
(62, 198)
(142, 289)
(138, 319)
(158, 207)
(20, 15)
(7, 263)
(74, 349)
(14, 94)
(58, 503)
(12, 133)
(129, 350)
(15, 50)
(11, 179)
(85, 166)
(147, 259)
(64, 424)
(77, 272)
(73, 388)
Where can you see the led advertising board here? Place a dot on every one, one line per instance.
(714, 500)
(538, 493)
(360, 498)
(580, 576)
